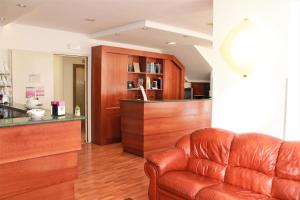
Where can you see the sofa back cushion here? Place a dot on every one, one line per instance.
(209, 154)
(252, 162)
(286, 184)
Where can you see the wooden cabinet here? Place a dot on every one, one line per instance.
(112, 70)
(173, 78)
(200, 90)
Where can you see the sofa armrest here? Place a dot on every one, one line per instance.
(169, 160)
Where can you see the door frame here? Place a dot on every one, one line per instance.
(85, 67)
(75, 66)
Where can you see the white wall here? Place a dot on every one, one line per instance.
(58, 80)
(25, 63)
(255, 103)
(293, 93)
(22, 37)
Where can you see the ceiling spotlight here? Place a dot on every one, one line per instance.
(170, 43)
(145, 28)
(2, 18)
(90, 19)
(21, 5)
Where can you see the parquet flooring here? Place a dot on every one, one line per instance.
(106, 173)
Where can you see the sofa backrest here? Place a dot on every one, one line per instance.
(286, 184)
(209, 152)
(252, 162)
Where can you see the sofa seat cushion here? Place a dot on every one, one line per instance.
(225, 191)
(184, 184)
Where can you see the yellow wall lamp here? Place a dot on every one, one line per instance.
(242, 48)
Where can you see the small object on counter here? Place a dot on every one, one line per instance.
(36, 114)
(4, 96)
(32, 102)
(77, 111)
(58, 108)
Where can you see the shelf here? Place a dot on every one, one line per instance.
(137, 89)
(136, 72)
(154, 89)
(156, 74)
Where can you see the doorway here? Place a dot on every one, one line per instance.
(70, 78)
(79, 88)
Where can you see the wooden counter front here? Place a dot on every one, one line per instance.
(39, 161)
(156, 125)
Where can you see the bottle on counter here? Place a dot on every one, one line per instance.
(77, 111)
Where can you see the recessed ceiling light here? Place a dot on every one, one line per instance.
(170, 43)
(2, 18)
(90, 19)
(21, 5)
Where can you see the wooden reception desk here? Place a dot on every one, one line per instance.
(149, 126)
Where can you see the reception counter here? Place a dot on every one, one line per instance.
(38, 158)
(149, 126)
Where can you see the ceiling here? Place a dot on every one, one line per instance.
(69, 15)
(197, 69)
(149, 23)
(153, 34)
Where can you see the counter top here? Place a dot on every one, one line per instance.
(161, 101)
(48, 118)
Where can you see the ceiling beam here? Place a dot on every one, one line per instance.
(151, 25)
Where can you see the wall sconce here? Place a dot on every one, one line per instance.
(242, 48)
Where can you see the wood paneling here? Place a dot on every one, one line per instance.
(96, 95)
(109, 85)
(112, 127)
(148, 127)
(36, 158)
(28, 175)
(107, 173)
(26, 142)
(63, 191)
(112, 79)
(173, 78)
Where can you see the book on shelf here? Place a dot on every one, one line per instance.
(148, 83)
(136, 67)
(153, 68)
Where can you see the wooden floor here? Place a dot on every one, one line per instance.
(106, 173)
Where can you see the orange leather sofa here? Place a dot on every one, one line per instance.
(215, 164)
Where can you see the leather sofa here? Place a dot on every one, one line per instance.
(216, 164)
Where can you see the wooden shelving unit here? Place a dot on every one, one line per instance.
(150, 70)
(110, 76)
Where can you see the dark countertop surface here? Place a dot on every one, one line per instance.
(161, 101)
(48, 118)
